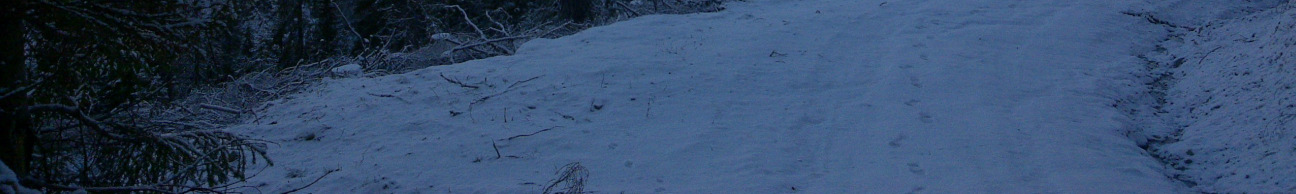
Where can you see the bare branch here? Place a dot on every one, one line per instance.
(489, 41)
(28, 181)
(627, 7)
(550, 31)
(506, 90)
(534, 133)
(499, 26)
(76, 114)
(16, 91)
(468, 20)
(219, 108)
(312, 182)
(457, 82)
(348, 22)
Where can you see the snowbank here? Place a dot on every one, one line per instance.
(9, 182)
(771, 96)
(1228, 108)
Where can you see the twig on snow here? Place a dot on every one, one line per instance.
(389, 96)
(525, 135)
(490, 41)
(219, 108)
(506, 90)
(457, 82)
(312, 182)
(497, 152)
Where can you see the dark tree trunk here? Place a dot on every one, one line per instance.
(326, 28)
(371, 16)
(576, 10)
(289, 34)
(16, 137)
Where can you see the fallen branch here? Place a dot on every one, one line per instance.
(457, 82)
(456, 42)
(497, 152)
(254, 88)
(523, 81)
(312, 182)
(155, 188)
(669, 6)
(469, 20)
(219, 108)
(627, 8)
(494, 42)
(506, 90)
(389, 96)
(526, 135)
(490, 41)
(177, 123)
(1207, 55)
(27, 181)
(550, 31)
(78, 115)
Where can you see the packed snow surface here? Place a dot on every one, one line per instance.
(770, 96)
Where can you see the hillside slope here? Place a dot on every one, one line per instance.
(1228, 97)
(818, 96)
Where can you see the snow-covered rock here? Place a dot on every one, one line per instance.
(348, 70)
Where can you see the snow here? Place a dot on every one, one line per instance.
(348, 70)
(1202, 12)
(769, 96)
(1233, 100)
(9, 181)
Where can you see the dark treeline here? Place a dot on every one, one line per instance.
(93, 92)
(84, 82)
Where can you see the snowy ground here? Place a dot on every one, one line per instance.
(1229, 104)
(770, 96)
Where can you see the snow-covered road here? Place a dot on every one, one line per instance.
(770, 96)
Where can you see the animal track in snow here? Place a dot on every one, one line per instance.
(916, 169)
(925, 117)
(895, 143)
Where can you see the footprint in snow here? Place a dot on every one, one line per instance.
(895, 143)
(916, 169)
(914, 80)
(925, 117)
(917, 189)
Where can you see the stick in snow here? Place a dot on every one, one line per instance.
(457, 82)
(312, 182)
(525, 135)
(497, 152)
(219, 108)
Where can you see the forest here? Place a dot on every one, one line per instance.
(128, 96)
